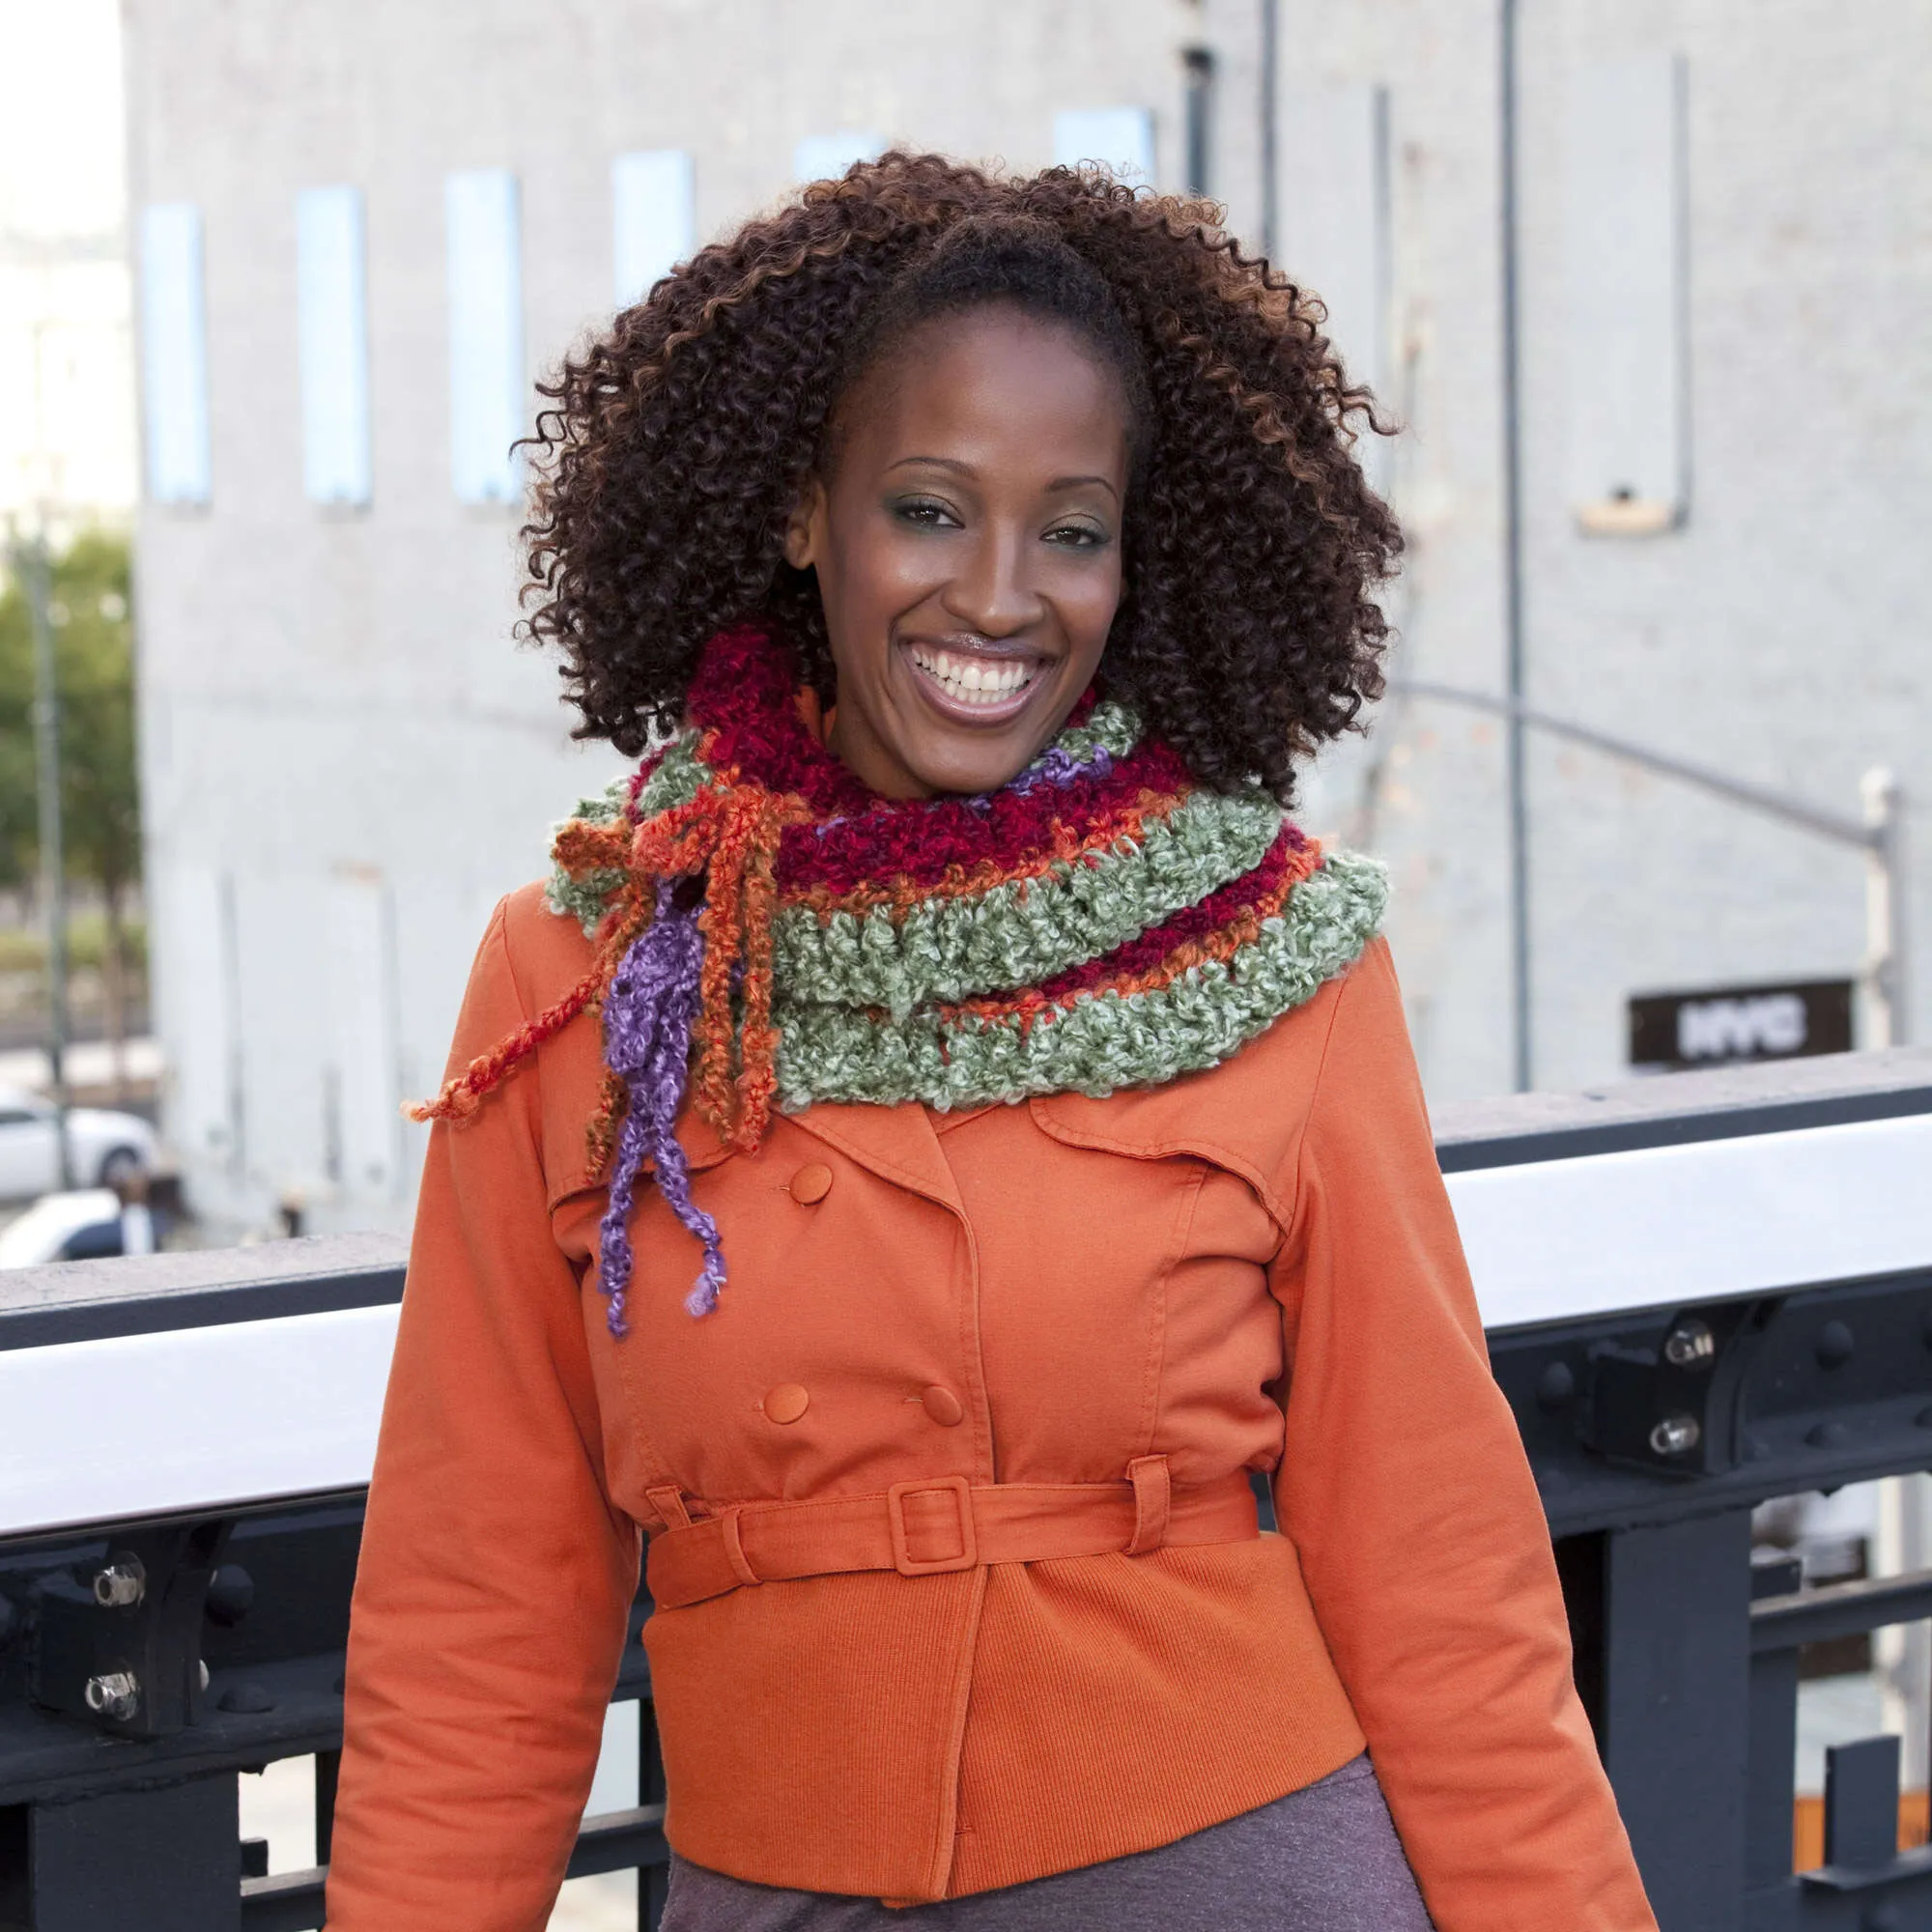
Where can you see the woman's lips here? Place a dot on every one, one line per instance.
(975, 687)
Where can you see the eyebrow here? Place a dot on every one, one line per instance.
(966, 470)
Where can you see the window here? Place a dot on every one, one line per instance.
(827, 157)
(333, 335)
(1628, 388)
(486, 334)
(653, 200)
(1123, 137)
(173, 354)
(364, 1126)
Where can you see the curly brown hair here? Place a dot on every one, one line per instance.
(677, 446)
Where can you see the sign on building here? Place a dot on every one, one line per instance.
(1670, 1031)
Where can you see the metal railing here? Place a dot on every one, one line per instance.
(175, 1572)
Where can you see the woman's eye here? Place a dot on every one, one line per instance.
(1076, 536)
(927, 512)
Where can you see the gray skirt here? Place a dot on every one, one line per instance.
(1325, 1859)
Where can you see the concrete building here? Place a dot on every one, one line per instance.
(364, 229)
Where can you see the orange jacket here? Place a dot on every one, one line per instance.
(1251, 1268)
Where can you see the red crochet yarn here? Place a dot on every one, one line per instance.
(850, 837)
(779, 821)
(1286, 863)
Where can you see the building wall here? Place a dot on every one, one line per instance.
(346, 760)
(1777, 633)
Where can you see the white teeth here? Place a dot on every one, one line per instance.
(972, 681)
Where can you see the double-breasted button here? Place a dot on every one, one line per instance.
(942, 1405)
(811, 1183)
(786, 1402)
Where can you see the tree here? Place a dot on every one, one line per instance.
(88, 612)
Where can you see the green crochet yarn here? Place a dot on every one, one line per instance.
(866, 1003)
(1103, 1041)
(1021, 931)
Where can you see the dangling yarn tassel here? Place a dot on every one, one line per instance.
(648, 1010)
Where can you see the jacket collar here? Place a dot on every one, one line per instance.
(897, 1144)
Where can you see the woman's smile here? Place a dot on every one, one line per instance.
(972, 680)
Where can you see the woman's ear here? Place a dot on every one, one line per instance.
(803, 526)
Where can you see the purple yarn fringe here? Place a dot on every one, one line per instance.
(648, 1015)
(1058, 766)
(647, 1019)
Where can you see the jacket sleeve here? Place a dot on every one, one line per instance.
(1405, 1487)
(494, 1578)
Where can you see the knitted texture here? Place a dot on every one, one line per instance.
(771, 934)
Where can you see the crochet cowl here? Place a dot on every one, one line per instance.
(771, 932)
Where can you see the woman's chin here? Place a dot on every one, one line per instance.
(970, 747)
(966, 765)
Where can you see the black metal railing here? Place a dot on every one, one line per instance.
(1654, 1431)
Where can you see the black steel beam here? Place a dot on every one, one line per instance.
(288, 1902)
(1676, 1109)
(156, 1860)
(1675, 1677)
(610, 1842)
(1839, 1610)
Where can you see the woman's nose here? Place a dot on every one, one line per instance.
(993, 592)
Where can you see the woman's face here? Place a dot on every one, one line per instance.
(967, 542)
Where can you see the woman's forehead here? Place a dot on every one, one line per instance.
(988, 384)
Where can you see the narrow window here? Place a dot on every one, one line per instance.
(1628, 469)
(1121, 137)
(359, 958)
(486, 334)
(827, 157)
(653, 201)
(333, 335)
(199, 980)
(1198, 65)
(173, 354)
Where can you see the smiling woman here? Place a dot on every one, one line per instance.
(999, 1147)
(965, 529)
(680, 449)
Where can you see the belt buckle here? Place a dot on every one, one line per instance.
(903, 1560)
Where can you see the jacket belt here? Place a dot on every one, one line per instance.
(942, 1523)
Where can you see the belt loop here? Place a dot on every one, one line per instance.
(734, 1551)
(1153, 1488)
(668, 1501)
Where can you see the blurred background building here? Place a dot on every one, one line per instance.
(67, 373)
(1672, 485)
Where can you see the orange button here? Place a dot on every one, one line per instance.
(786, 1402)
(810, 1183)
(942, 1405)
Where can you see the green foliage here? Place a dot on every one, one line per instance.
(24, 949)
(89, 604)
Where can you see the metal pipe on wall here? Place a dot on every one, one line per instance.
(1270, 23)
(1879, 834)
(1515, 774)
(1888, 968)
(35, 572)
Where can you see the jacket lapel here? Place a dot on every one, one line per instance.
(897, 1144)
